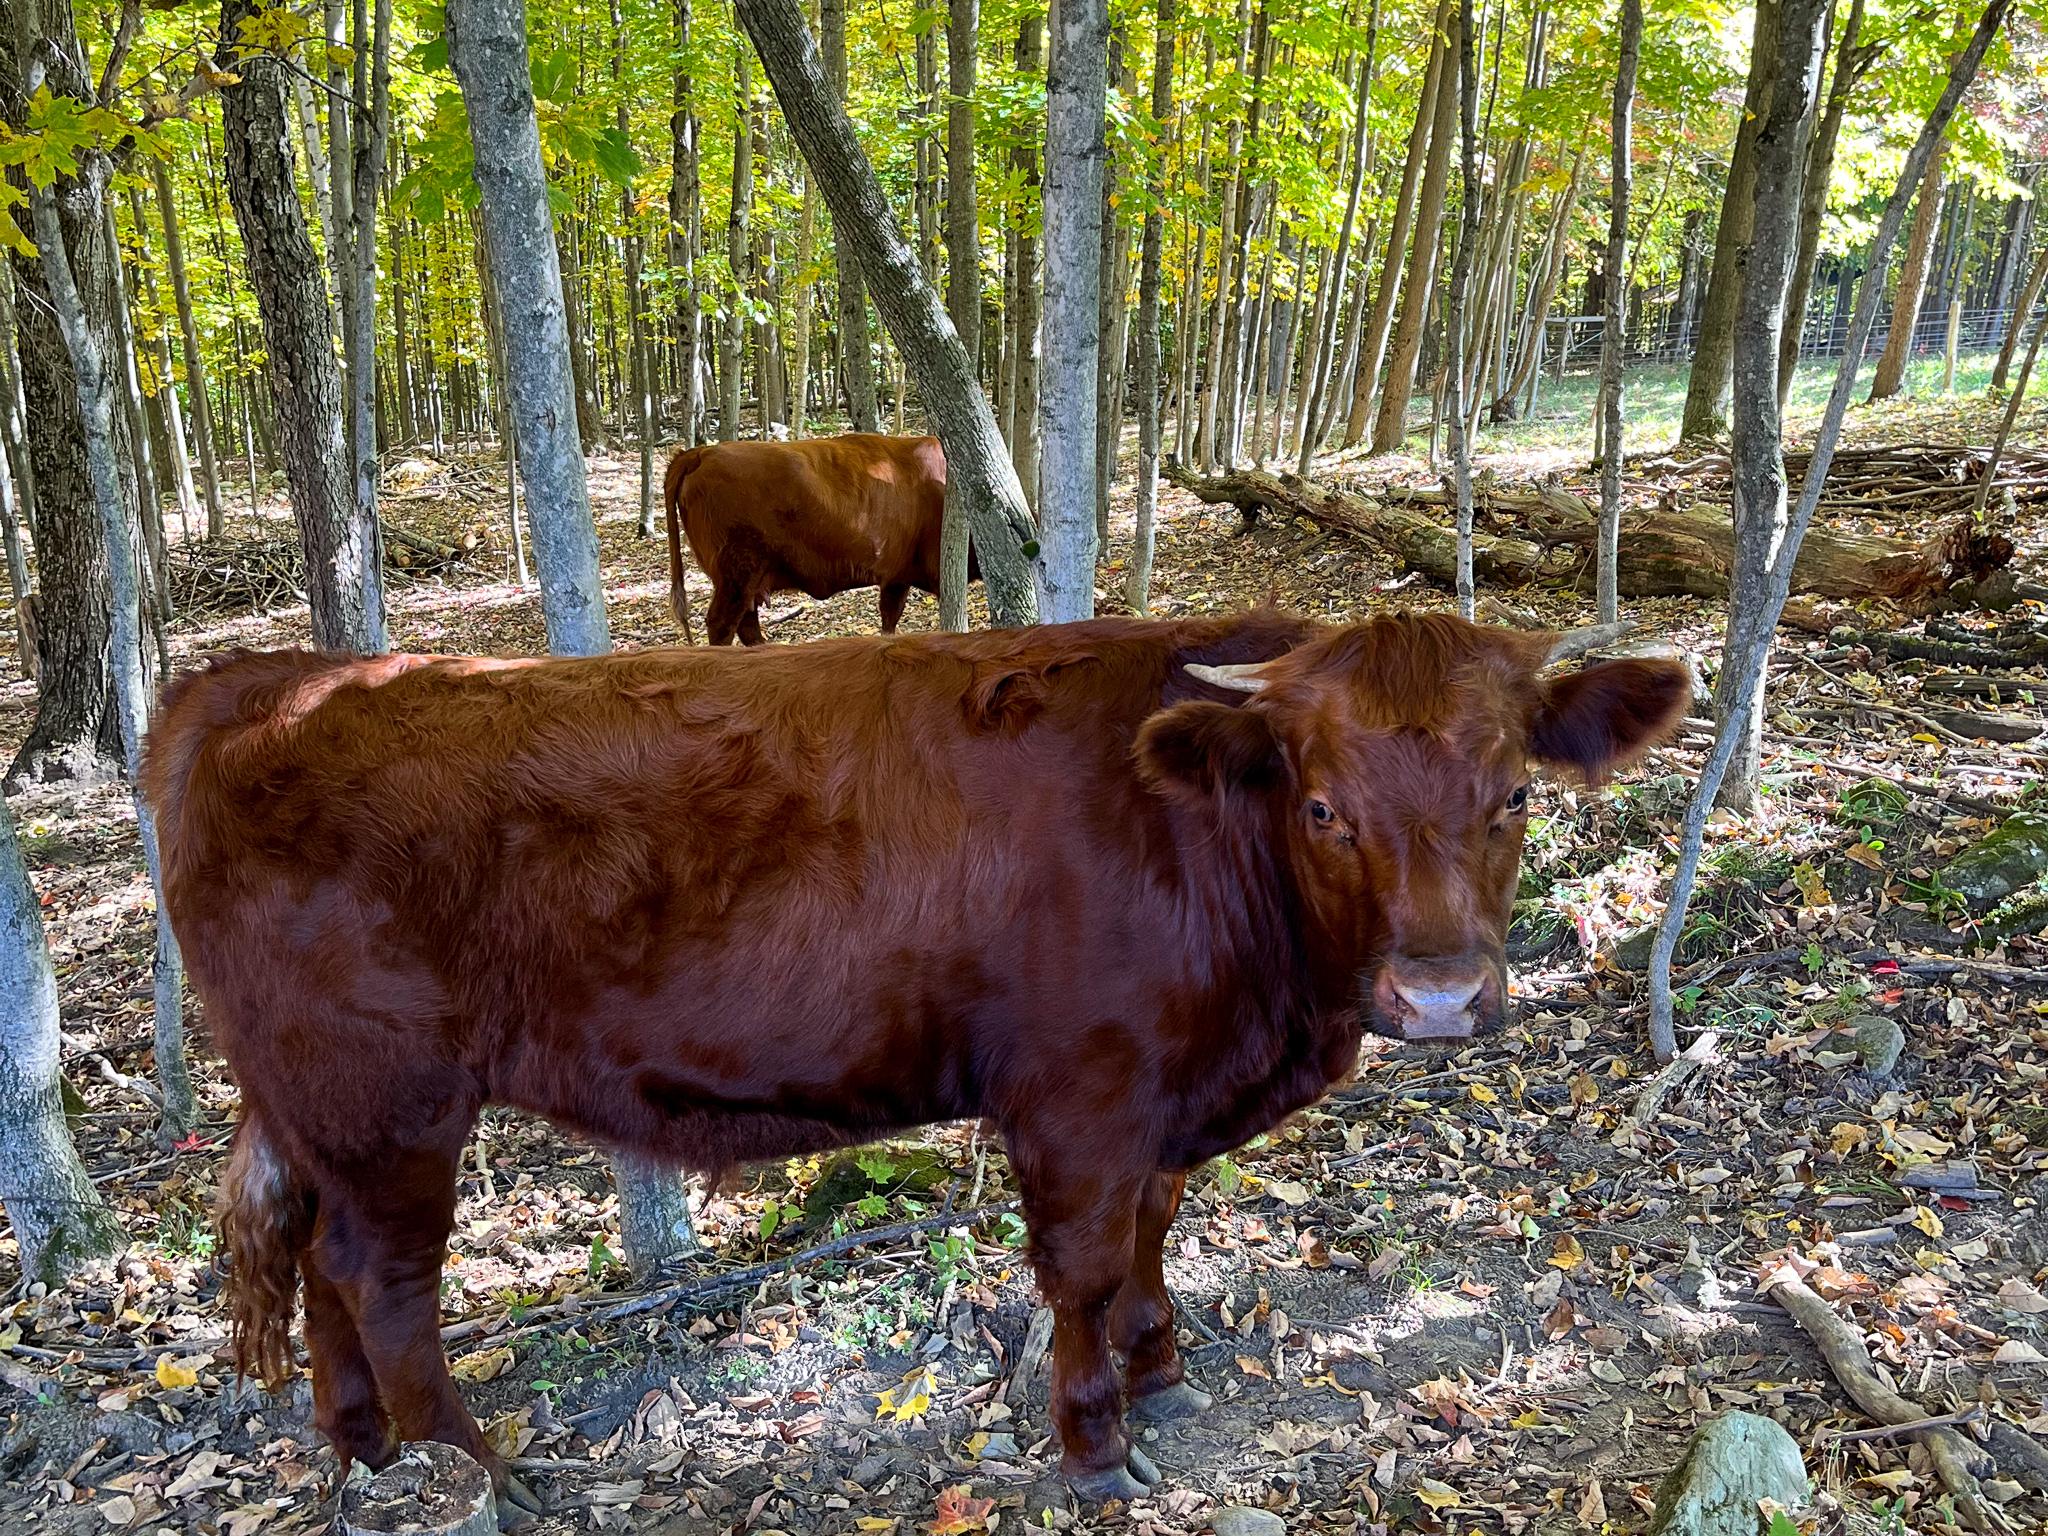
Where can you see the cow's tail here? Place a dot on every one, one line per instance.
(679, 469)
(266, 1219)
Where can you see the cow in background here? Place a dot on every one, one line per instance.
(1125, 889)
(820, 516)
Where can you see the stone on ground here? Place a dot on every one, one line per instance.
(1239, 1520)
(1731, 1463)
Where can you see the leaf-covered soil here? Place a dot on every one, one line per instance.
(1465, 1294)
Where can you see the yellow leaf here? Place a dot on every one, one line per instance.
(1481, 1094)
(1925, 1219)
(1252, 1367)
(1846, 1137)
(1529, 1418)
(1932, 741)
(1435, 1494)
(170, 1374)
(483, 1365)
(875, 1523)
(1566, 1253)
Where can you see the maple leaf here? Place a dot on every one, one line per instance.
(956, 1512)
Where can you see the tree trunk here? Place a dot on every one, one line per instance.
(1232, 363)
(927, 146)
(977, 467)
(800, 322)
(963, 274)
(1076, 72)
(685, 230)
(1025, 354)
(1112, 312)
(113, 500)
(1390, 426)
(487, 47)
(188, 330)
(2030, 292)
(636, 299)
(16, 496)
(1706, 388)
(732, 337)
(1542, 294)
(1373, 346)
(589, 418)
(1138, 570)
(180, 467)
(368, 143)
(1613, 341)
(963, 223)
(1325, 339)
(1852, 59)
(76, 735)
(343, 581)
(59, 1219)
(856, 346)
(1753, 660)
(1913, 270)
(1461, 280)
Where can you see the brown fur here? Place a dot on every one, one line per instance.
(820, 516)
(719, 909)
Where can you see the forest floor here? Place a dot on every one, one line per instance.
(1465, 1294)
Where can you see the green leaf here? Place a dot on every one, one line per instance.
(616, 159)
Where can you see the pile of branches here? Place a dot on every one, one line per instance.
(1904, 484)
(262, 572)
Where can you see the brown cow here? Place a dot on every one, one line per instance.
(820, 516)
(1125, 889)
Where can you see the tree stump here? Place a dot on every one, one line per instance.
(430, 1490)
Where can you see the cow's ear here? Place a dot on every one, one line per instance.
(1594, 721)
(1199, 749)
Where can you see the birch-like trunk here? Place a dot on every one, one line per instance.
(1138, 570)
(1613, 340)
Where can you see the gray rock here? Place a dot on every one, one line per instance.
(870, 1470)
(1879, 1042)
(1002, 1447)
(1238, 1520)
(1632, 950)
(1731, 1462)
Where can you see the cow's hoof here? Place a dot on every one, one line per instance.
(1143, 1469)
(1115, 1482)
(1182, 1400)
(518, 1505)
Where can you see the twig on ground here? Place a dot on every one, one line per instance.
(1667, 1081)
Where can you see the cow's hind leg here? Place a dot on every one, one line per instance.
(345, 1403)
(381, 1239)
(1141, 1320)
(750, 627)
(723, 618)
(893, 599)
(1083, 1221)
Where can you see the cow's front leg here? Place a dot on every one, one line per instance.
(1141, 1320)
(1083, 1221)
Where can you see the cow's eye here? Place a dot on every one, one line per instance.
(1519, 800)
(1320, 812)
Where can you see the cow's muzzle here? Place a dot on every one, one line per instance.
(1447, 998)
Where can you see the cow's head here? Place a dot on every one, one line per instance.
(1392, 760)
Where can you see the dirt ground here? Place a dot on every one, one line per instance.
(1466, 1294)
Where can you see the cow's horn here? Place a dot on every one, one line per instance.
(1576, 642)
(1241, 676)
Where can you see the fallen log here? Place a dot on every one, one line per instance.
(1546, 535)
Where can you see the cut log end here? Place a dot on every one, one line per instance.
(430, 1490)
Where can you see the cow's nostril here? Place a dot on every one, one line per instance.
(1439, 997)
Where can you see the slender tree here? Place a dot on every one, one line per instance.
(1759, 464)
(977, 464)
(1138, 571)
(732, 343)
(963, 220)
(113, 501)
(856, 348)
(59, 1219)
(194, 359)
(1025, 346)
(1613, 339)
(1460, 287)
(1074, 114)
(1853, 58)
(1390, 426)
(1913, 273)
(685, 228)
(1706, 388)
(339, 543)
(487, 46)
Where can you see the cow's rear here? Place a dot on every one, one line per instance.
(819, 516)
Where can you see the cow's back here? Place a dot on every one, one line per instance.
(821, 515)
(617, 890)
